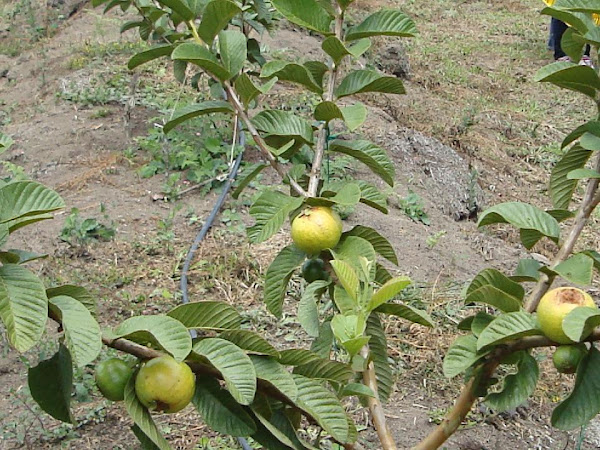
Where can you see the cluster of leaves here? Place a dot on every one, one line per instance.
(79, 232)
(513, 320)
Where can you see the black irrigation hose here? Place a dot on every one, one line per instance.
(204, 230)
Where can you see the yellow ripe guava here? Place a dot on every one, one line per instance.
(555, 305)
(163, 384)
(316, 228)
(566, 358)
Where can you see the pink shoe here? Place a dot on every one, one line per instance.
(564, 59)
(586, 61)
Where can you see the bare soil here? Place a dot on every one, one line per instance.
(79, 152)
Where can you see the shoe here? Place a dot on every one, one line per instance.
(564, 59)
(586, 61)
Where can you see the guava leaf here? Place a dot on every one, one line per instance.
(278, 275)
(517, 387)
(379, 355)
(207, 314)
(461, 355)
(580, 322)
(380, 244)
(497, 279)
(297, 357)
(495, 297)
(79, 293)
(271, 371)
(308, 313)
(385, 22)
(561, 186)
(326, 370)
(407, 312)
(507, 327)
(250, 341)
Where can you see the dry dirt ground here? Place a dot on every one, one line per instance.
(78, 149)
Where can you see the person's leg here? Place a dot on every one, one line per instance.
(557, 29)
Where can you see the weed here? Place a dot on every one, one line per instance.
(433, 239)
(79, 232)
(412, 205)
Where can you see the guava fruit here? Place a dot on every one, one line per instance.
(111, 377)
(316, 228)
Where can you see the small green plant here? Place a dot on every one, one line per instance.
(433, 239)
(412, 205)
(79, 232)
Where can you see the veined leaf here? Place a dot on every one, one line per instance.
(369, 154)
(323, 343)
(508, 327)
(527, 270)
(248, 90)
(51, 383)
(292, 72)
(250, 174)
(461, 355)
(23, 306)
(381, 245)
(215, 17)
(323, 406)
(283, 123)
(271, 371)
(79, 293)
(235, 366)
(326, 370)
(233, 50)
(590, 141)
(495, 297)
(179, 7)
(379, 355)
(357, 389)
(142, 418)
(250, 341)
(583, 174)
(480, 322)
(497, 279)
(385, 22)
(388, 291)
(583, 404)
(343, 301)
(270, 211)
(206, 314)
(335, 48)
(353, 250)
(151, 54)
(523, 216)
(353, 116)
(561, 186)
(571, 76)
(517, 387)
(372, 196)
(364, 80)
(592, 127)
(577, 269)
(347, 277)
(306, 13)
(219, 409)
(199, 109)
(278, 275)
(406, 312)
(26, 198)
(580, 322)
(308, 313)
(202, 57)
(82, 333)
(164, 331)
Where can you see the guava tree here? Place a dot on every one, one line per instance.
(244, 386)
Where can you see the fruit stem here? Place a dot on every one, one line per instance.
(315, 174)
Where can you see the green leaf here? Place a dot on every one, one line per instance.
(379, 355)
(517, 387)
(199, 109)
(577, 269)
(216, 16)
(308, 313)
(51, 383)
(297, 357)
(163, 331)
(82, 333)
(364, 80)
(565, 16)
(354, 250)
(15, 256)
(495, 297)
(284, 123)
(201, 57)
(233, 50)
(480, 322)
(388, 291)
(270, 211)
(292, 72)
(235, 366)
(461, 355)
(592, 127)
(571, 76)
(353, 116)
(250, 173)
(347, 277)
(271, 371)
(79, 293)
(407, 312)
(151, 54)
(179, 7)
(583, 404)
(583, 174)
(497, 279)
(326, 370)
(381, 245)
(358, 389)
(219, 410)
(23, 306)
(323, 406)
(508, 327)
(317, 69)
(270, 436)
(580, 322)
(371, 196)
(561, 186)
(323, 343)
(336, 49)
(278, 275)
(369, 154)
(349, 330)
(527, 270)
(250, 341)
(215, 315)
(145, 442)
(385, 22)
(26, 198)
(346, 194)
(306, 13)
(141, 416)
(522, 216)
(248, 90)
